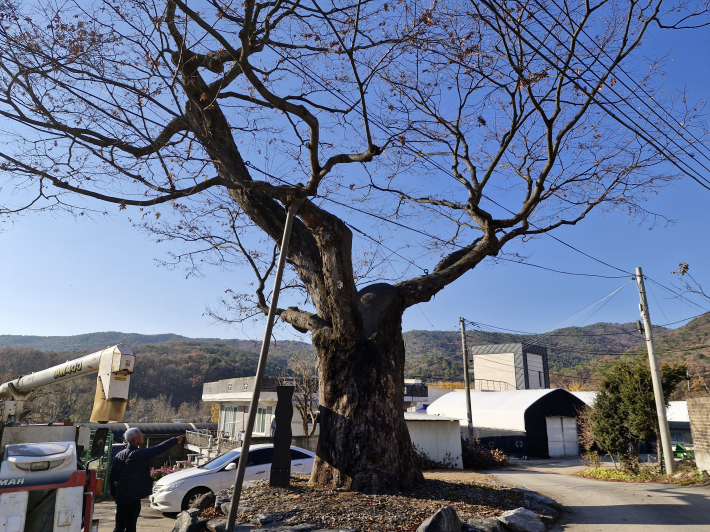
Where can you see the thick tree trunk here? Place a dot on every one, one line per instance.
(364, 444)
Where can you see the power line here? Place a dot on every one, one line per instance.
(620, 69)
(677, 294)
(572, 335)
(650, 288)
(573, 350)
(379, 243)
(582, 312)
(680, 321)
(442, 240)
(612, 115)
(602, 305)
(563, 272)
(478, 363)
(385, 128)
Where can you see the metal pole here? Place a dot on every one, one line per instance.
(665, 431)
(261, 368)
(466, 380)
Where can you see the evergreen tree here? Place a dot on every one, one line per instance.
(625, 409)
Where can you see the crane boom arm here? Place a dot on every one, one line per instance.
(114, 366)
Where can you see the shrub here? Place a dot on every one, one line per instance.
(426, 463)
(478, 456)
(166, 469)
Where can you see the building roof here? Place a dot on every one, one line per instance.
(490, 349)
(678, 411)
(240, 389)
(419, 416)
(589, 398)
(502, 410)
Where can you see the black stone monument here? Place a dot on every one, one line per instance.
(281, 466)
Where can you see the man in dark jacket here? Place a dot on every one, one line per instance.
(130, 479)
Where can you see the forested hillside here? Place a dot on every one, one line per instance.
(437, 354)
(172, 368)
(574, 352)
(172, 371)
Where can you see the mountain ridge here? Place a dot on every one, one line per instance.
(574, 353)
(100, 340)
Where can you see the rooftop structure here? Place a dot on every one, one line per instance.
(503, 367)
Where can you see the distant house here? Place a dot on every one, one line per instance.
(437, 437)
(589, 398)
(679, 422)
(533, 423)
(234, 398)
(503, 367)
(416, 394)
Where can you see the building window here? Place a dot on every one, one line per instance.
(539, 376)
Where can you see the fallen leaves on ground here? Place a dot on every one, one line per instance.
(404, 512)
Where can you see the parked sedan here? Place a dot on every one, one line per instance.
(175, 492)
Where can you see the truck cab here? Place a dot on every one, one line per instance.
(44, 488)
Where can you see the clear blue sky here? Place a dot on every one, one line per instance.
(62, 276)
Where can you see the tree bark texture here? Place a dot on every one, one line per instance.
(366, 445)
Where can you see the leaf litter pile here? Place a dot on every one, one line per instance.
(404, 512)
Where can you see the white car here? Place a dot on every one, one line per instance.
(175, 492)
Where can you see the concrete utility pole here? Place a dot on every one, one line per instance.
(261, 368)
(665, 431)
(466, 380)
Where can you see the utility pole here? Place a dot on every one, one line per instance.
(466, 380)
(665, 431)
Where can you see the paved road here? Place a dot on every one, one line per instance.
(599, 506)
(149, 520)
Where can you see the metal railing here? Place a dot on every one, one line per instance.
(488, 384)
(212, 441)
(201, 439)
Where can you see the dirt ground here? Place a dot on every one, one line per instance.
(153, 521)
(457, 475)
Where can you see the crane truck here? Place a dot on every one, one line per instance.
(44, 486)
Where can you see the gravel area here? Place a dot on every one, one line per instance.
(377, 513)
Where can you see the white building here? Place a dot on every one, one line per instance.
(503, 367)
(535, 423)
(234, 397)
(436, 436)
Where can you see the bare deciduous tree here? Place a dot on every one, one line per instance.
(154, 410)
(688, 283)
(447, 122)
(302, 376)
(190, 412)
